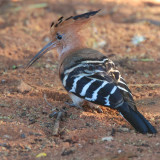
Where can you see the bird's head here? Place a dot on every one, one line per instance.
(64, 34)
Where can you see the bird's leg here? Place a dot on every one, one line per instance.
(94, 106)
(74, 105)
(77, 102)
(55, 111)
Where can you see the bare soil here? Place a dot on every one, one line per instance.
(26, 129)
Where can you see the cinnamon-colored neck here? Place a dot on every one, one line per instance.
(73, 43)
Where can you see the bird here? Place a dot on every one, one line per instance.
(88, 75)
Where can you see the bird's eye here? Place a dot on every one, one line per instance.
(59, 37)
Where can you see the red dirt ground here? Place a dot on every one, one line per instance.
(26, 130)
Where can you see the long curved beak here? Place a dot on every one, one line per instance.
(46, 48)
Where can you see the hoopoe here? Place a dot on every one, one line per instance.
(88, 75)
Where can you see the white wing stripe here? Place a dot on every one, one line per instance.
(113, 90)
(107, 101)
(107, 98)
(83, 63)
(83, 92)
(93, 61)
(75, 83)
(123, 89)
(64, 80)
(95, 93)
(122, 83)
(71, 69)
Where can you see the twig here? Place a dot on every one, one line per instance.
(57, 121)
(45, 98)
(56, 125)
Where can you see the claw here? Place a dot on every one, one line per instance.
(98, 109)
(94, 107)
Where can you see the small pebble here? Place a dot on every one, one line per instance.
(119, 151)
(32, 121)
(138, 39)
(67, 152)
(88, 124)
(23, 135)
(102, 44)
(5, 145)
(46, 39)
(2, 45)
(48, 66)
(124, 129)
(3, 81)
(23, 114)
(6, 136)
(109, 138)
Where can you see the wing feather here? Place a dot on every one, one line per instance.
(100, 83)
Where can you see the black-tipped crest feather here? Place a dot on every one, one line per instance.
(52, 24)
(85, 15)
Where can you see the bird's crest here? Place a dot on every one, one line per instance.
(73, 19)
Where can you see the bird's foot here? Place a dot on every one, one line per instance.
(94, 107)
(56, 112)
(98, 109)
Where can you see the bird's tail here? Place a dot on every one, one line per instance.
(136, 119)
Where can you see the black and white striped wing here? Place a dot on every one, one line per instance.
(97, 82)
(125, 91)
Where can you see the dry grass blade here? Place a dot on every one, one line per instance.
(38, 5)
